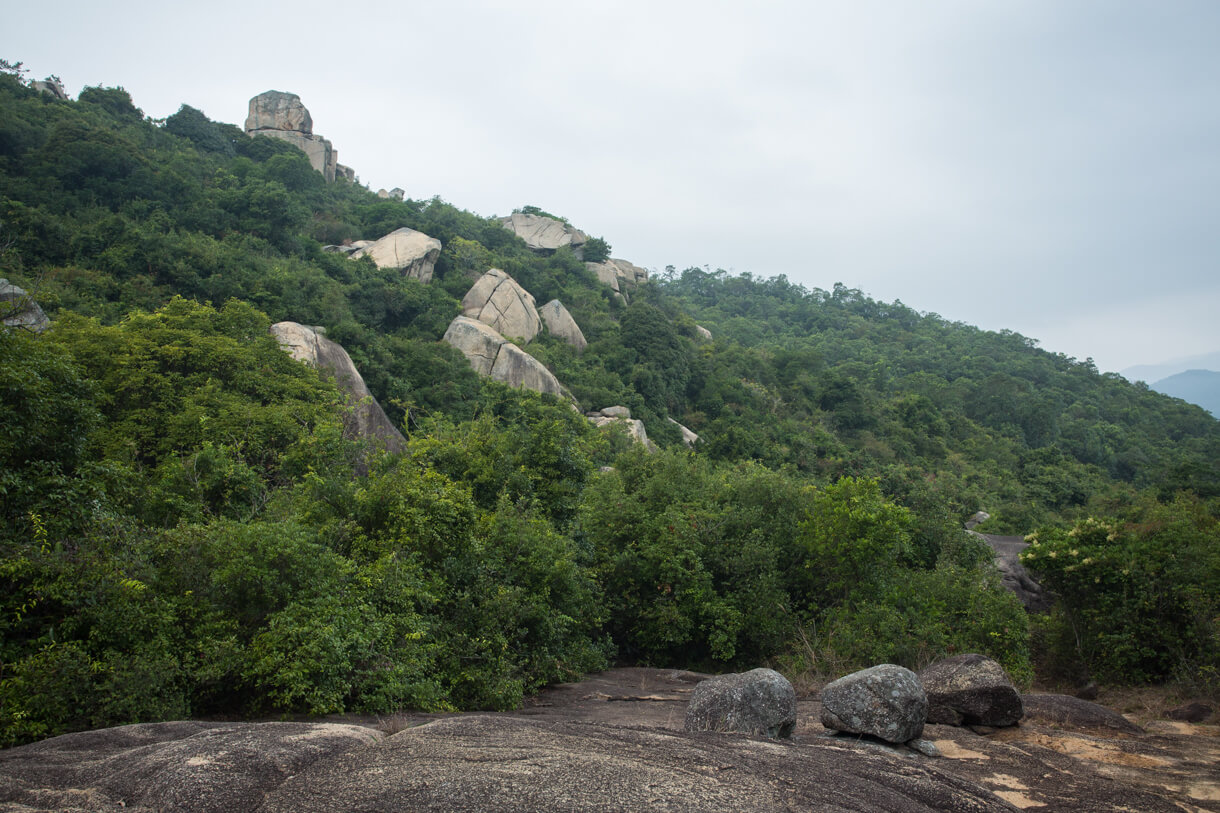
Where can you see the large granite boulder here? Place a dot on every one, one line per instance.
(620, 416)
(499, 302)
(621, 276)
(970, 689)
(412, 252)
(561, 324)
(18, 309)
(760, 702)
(282, 115)
(50, 86)
(885, 701)
(365, 417)
(494, 356)
(544, 233)
(181, 766)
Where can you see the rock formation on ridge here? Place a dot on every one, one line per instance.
(412, 252)
(544, 233)
(283, 116)
(366, 419)
(621, 276)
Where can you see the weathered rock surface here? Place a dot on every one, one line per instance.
(18, 309)
(365, 418)
(703, 333)
(1072, 712)
(970, 689)
(561, 324)
(688, 437)
(621, 416)
(505, 763)
(181, 766)
(615, 742)
(346, 172)
(1014, 576)
(494, 356)
(544, 233)
(760, 702)
(412, 252)
(977, 518)
(621, 276)
(499, 302)
(282, 115)
(50, 86)
(885, 701)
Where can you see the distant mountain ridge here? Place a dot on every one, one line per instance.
(1156, 372)
(1200, 387)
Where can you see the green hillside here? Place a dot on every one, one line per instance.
(186, 530)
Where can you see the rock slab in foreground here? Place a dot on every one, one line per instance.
(760, 702)
(885, 701)
(970, 689)
(365, 418)
(484, 763)
(182, 766)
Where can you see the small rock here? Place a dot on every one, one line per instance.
(885, 701)
(760, 702)
(925, 747)
(1190, 713)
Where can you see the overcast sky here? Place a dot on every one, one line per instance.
(1046, 166)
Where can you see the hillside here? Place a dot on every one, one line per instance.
(190, 527)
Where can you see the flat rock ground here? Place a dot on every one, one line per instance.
(614, 742)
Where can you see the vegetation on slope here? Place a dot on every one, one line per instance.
(185, 531)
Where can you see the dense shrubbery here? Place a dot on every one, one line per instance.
(184, 529)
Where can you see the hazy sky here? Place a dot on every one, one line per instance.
(1047, 166)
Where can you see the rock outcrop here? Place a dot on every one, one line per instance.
(365, 418)
(1072, 712)
(544, 233)
(688, 437)
(499, 302)
(18, 309)
(50, 86)
(412, 252)
(970, 689)
(559, 323)
(180, 766)
(494, 356)
(621, 276)
(885, 701)
(760, 702)
(1014, 576)
(703, 333)
(283, 116)
(621, 416)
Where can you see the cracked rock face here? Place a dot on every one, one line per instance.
(499, 302)
(491, 355)
(365, 418)
(885, 701)
(412, 252)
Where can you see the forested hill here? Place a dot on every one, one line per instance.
(186, 528)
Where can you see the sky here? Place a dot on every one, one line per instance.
(1050, 167)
